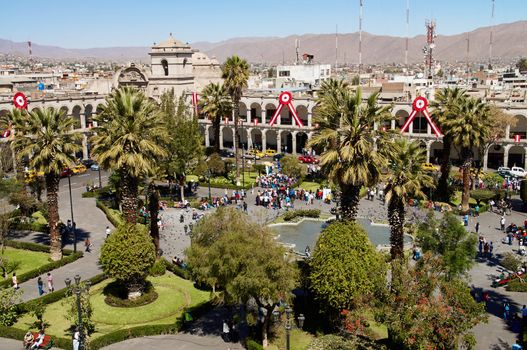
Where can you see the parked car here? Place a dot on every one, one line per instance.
(254, 152)
(308, 159)
(504, 171)
(270, 152)
(278, 156)
(87, 162)
(66, 172)
(227, 153)
(79, 169)
(517, 171)
(95, 167)
(429, 167)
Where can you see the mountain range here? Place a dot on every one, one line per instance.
(509, 42)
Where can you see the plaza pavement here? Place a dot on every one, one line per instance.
(91, 222)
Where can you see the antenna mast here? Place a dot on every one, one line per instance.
(430, 45)
(336, 46)
(360, 38)
(468, 63)
(296, 49)
(491, 35)
(407, 34)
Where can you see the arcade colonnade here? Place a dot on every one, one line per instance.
(285, 136)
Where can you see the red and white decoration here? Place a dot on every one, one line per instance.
(20, 100)
(286, 98)
(517, 138)
(419, 105)
(195, 102)
(255, 121)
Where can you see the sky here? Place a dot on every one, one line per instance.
(104, 23)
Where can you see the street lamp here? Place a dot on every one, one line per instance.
(288, 324)
(72, 221)
(208, 174)
(77, 288)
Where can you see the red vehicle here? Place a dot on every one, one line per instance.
(308, 159)
(66, 172)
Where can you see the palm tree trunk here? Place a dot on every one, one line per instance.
(129, 189)
(216, 123)
(349, 201)
(442, 191)
(467, 164)
(153, 208)
(396, 220)
(236, 109)
(52, 187)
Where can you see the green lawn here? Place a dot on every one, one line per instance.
(29, 260)
(299, 340)
(175, 294)
(310, 186)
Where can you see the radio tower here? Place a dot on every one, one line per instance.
(336, 47)
(407, 34)
(429, 48)
(360, 38)
(491, 34)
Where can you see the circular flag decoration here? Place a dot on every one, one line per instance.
(20, 100)
(420, 103)
(285, 97)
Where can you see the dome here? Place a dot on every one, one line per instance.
(171, 43)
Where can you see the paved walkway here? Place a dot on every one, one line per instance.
(181, 341)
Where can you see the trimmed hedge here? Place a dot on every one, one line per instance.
(254, 345)
(111, 214)
(228, 186)
(516, 286)
(309, 213)
(29, 226)
(176, 270)
(36, 247)
(66, 259)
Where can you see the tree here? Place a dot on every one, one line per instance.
(469, 130)
(292, 167)
(45, 136)
(522, 64)
(183, 145)
(127, 255)
(9, 298)
(445, 108)
(240, 257)
(345, 267)
(523, 190)
(428, 312)
(405, 180)
(346, 131)
(216, 104)
(448, 239)
(482, 195)
(129, 139)
(235, 72)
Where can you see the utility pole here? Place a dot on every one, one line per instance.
(468, 63)
(429, 48)
(491, 34)
(336, 47)
(407, 35)
(360, 38)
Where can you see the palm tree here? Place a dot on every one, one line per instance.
(8, 122)
(46, 137)
(405, 180)
(216, 104)
(445, 107)
(128, 139)
(346, 132)
(235, 72)
(468, 131)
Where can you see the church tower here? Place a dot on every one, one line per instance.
(171, 64)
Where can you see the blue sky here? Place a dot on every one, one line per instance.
(101, 23)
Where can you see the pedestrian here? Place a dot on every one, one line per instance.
(502, 223)
(491, 249)
(476, 210)
(76, 339)
(465, 219)
(87, 245)
(486, 249)
(524, 318)
(480, 246)
(486, 299)
(225, 333)
(15, 281)
(108, 231)
(51, 287)
(245, 206)
(506, 310)
(40, 285)
(477, 227)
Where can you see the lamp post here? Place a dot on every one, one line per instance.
(77, 288)
(208, 174)
(72, 221)
(100, 181)
(289, 323)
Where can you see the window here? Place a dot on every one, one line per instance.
(283, 73)
(164, 63)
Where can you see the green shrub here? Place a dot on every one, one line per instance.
(309, 213)
(158, 269)
(510, 262)
(254, 345)
(116, 295)
(523, 190)
(482, 195)
(90, 194)
(517, 285)
(114, 216)
(177, 270)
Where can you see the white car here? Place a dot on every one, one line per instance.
(517, 171)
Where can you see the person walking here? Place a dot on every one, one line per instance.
(506, 311)
(15, 281)
(51, 287)
(524, 318)
(477, 227)
(87, 245)
(108, 231)
(502, 223)
(491, 249)
(245, 206)
(225, 333)
(40, 285)
(76, 339)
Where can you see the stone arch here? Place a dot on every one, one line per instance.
(64, 109)
(286, 141)
(520, 128)
(164, 64)
(270, 108)
(228, 137)
(495, 156)
(256, 138)
(256, 112)
(400, 118)
(302, 112)
(286, 116)
(242, 138)
(301, 141)
(271, 139)
(212, 134)
(436, 152)
(76, 115)
(420, 124)
(516, 156)
(88, 115)
(242, 108)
